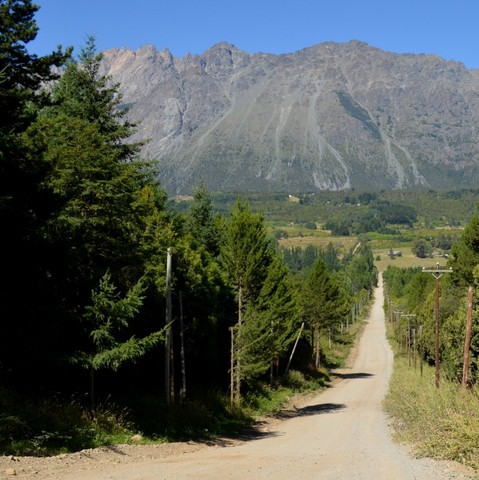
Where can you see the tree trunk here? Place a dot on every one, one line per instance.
(182, 350)
(169, 331)
(467, 342)
(238, 343)
(317, 363)
(92, 389)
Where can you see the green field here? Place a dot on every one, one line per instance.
(406, 260)
(320, 241)
(382, 260)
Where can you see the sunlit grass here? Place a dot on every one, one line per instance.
(320, 241)
(440, 423)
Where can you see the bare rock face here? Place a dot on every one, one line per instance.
(332, 116)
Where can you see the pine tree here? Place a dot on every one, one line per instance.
(23, 203)
(23, 73)
(361, 270)
(269, 324)
(107, 317)
(325, 304)
(246, 256)
(95, 179)
(465, 254)
(202, 222)
(246, 252)
(100, 201)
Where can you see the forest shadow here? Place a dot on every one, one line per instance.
(346, 376)
(260, 429)
(318, 409)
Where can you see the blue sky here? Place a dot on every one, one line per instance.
(448, 28)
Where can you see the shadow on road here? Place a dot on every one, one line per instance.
(346, 376)
(259, 431)
(312, 410)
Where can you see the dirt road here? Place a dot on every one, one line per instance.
(339, 434)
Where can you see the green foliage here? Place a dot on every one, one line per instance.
(95, 221)
(339, 226)
(398, 279)
(465, 254)
(203, 224)
(90, 211)
(246, 252)
(414, 292)
(27, 426)
(397, 214)
(107, 317)
(422, 248)
(267, 303)
(361, 270)
(375, 216)
(302, 259)
(23, 203)
(324, 302)
(270, 323)
(22, 73)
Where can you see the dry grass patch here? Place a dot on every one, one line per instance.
(346, 243)
(440, 423)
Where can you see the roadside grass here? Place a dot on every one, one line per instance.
(266, 400)
(441, 423)
(52, 425)
(336, 353)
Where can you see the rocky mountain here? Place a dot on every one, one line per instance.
(332, 116)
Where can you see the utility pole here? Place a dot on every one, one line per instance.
(232, 369)
(182, 350)
(408, 334)
(437, 273)
(169, 330)
(294, 348)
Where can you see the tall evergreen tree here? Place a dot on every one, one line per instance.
(23, 202)
(23, 73)
(325, 304)
(107, 317)
(246, 255)
(96, 181)
(361, 270)
(99, 207)
(246, 252)
(270, 323)
(465, 254)
(202, 222)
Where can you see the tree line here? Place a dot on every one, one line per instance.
(86, 228)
